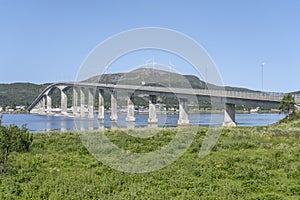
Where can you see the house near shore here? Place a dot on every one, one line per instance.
(20, 108)
(254, 110)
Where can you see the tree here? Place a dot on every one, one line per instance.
(287, 104)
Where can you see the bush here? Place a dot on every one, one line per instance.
(12, 139)
(290, 118)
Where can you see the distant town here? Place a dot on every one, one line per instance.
(10, 109)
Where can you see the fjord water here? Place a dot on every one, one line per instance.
(39, 123)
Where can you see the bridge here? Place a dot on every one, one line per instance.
(43, 103)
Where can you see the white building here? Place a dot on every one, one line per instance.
(20, 107)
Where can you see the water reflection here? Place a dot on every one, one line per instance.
(64, 123)
(152, 125)
(130, 125)
(82, 124)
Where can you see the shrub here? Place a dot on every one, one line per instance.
(12, 139)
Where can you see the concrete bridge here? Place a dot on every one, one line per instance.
(43, 103)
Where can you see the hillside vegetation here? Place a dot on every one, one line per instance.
(19, 93)
(246, 163)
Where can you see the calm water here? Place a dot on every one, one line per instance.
(63, 123)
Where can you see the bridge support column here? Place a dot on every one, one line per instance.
(91, 103)
(82, 102)
(49, 103)
(229, 115)
(152, 110)
(297, 108)
(114, 111)
(63, 101)
(75, 101)
(42, 105)
(130, 108)
(101, 105)
(183, 112)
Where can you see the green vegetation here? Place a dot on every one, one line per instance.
(247, 163)
(291, 119)
(12, 140)
(287, 104)
(16, 94)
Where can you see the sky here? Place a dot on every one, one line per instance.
(47, 41)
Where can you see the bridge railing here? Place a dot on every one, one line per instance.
(269, 96)
(266, 96)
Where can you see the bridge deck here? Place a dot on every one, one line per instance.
(257, 96)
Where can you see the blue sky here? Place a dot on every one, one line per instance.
(47, 41)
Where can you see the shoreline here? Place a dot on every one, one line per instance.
(158, 112)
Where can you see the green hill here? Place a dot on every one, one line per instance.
(24, 93)
(19, 93)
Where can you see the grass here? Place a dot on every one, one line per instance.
(246, 163)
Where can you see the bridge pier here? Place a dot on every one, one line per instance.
(49, 103)
(297, 108)
(75, 101)
(82, 103)
(91, 103)
(183, 112)
(41, 106)
(130, 108)
(152, 119)
(229, 115)
(63, 101)
(114, 110)
(101, 105)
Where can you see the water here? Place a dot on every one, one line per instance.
(37, 123)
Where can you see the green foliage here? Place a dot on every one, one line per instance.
(19, 93)
(12, 139)
(287, 104)
(246, 163)
(293, 118)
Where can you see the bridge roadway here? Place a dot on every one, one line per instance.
(43, 103)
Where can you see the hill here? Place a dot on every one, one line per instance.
(24, 93)
(19, 93)
(155, 77)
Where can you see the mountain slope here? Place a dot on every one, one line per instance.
(19, 93)
(155, 77)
